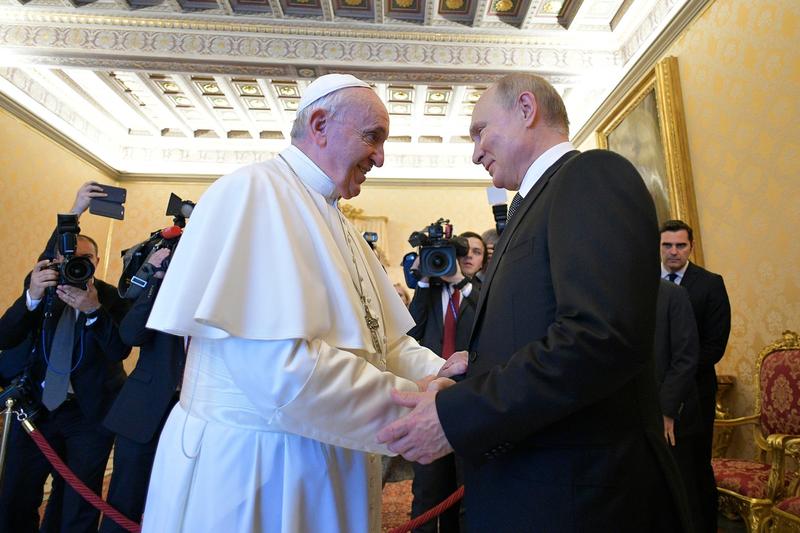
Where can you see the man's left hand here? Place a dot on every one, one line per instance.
(417, 436)
(84, 301)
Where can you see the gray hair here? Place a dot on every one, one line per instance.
(331, 103)
(549, 101)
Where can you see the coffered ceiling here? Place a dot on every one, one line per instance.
(195, 88)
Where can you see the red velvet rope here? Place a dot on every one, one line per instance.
(430, 513)
(79, 485)
(128, 524)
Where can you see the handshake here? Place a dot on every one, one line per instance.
(455, 365)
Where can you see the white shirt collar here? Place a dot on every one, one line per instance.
(542, 163)
(310, 173)
(680, 273)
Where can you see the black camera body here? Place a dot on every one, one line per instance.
(137, 270)
(73, 270)
(438, 250)
(21, 391)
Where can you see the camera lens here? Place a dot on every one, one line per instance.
(77, 270)
(438, 262)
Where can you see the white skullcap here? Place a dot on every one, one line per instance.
(325, 85)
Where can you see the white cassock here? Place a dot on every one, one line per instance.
(283, 391)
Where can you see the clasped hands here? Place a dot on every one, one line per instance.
(418, 436)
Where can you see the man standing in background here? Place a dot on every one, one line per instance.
(712, 312)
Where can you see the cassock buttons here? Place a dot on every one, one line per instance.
(473, 356)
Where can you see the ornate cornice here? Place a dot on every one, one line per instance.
(352, 31)
(643, 65)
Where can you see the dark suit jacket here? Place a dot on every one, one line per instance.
(676, 351)
(426, 310)
(712, 311)
(558, 419)
(147, 394)
(99, 374)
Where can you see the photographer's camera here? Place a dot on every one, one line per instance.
(72, 269)
(438, 250)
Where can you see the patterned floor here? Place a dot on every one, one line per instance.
(396, 504)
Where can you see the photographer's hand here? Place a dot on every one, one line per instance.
(156, 259)
(84, 301)
(88, 190)
(41, 278)
(415, 267)
(456, 278)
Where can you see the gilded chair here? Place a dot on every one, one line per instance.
(785, 516)
(749, 488)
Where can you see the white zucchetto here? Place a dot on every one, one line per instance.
(325, 85)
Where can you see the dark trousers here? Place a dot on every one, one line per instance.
(84, 446)
(432, 484)
(690, 464)
(707, 485)
(133, 462)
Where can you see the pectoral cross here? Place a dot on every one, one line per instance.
(372, 324)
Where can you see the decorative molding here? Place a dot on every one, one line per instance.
(641, 67)
(350, 31)
(134, 48)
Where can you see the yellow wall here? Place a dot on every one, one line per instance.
(39, 179)
(740, 73)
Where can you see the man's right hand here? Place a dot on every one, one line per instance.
(669, 430)
(89, 190)
(41, 278)
(156, 259)
(415, 266)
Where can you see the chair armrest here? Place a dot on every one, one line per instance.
(734, 422)
(779, 446)
(792, 446)
(781, 442)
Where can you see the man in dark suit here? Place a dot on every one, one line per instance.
(72, 424)
(443, 314)
(676, 351)
(712, 313)
(557, 421)
(143, 404)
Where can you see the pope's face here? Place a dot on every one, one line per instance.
(356, 135)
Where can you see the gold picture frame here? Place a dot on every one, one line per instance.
(648, 128)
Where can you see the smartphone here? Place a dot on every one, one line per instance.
(115, 194)
(99, 206)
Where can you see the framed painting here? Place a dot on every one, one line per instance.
(648, 128)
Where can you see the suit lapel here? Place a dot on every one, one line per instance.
(437, 309)
(689, 276)
(505, 238)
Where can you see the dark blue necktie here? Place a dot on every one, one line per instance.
(672, 276)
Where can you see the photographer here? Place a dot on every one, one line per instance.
(443, 310)
(140, 411)
(74, 364)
